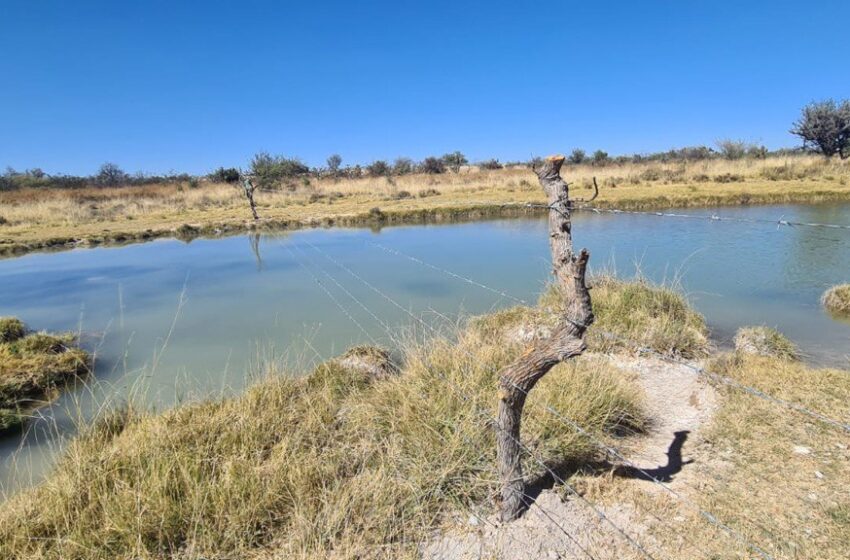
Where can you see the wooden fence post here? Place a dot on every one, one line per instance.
(565, 341)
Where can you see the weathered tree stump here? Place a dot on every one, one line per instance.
(565, 341)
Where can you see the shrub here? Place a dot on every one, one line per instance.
(455, 160)
(432, 165)
(403, 194)
(732, 149)
(577, 156)
(228, 175)
(600, 157)
(269, 171)
(378, 168)
(825, 126)
(428, 192)
(403, 166)
(491, 164)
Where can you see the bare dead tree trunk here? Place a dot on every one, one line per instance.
(566, 340)
(249, 187)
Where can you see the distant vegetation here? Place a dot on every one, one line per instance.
(837, 299)
(824, 126)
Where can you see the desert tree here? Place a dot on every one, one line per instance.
(577, 156)
(825, 126)
(455, 160)
(270, 171)
(334, 162)
(564, 341)
(110, 175)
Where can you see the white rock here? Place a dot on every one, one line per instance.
(818, 474)
(473, 520)
(802, 450)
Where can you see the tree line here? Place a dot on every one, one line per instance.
(823, 126)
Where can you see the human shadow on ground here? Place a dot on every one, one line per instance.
(562, 471)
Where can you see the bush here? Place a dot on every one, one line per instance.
(825, 126)
(600, 157)
(732, 149)
(728, 178)
(378, 168)
(455, 160)
(577, 156)
(403, 166)
(269, 171)
(432, 165)
(428, 192)
(228, 175)
(491, 164)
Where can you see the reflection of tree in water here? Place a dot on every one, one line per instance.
(254, 241)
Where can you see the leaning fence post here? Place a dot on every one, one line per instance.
(565, 341)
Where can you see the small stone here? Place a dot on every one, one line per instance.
(802, 450)
(818, 474)
(813, 497)
(678, 519)
(473, 520)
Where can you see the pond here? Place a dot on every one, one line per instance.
(170, 320)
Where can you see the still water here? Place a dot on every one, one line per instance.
(169, 320)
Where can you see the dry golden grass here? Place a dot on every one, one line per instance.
(333, 465)
(837, 299)
(41, 218)
(32, 367)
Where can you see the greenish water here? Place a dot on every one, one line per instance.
(245, 300)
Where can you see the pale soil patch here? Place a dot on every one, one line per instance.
(677, 401)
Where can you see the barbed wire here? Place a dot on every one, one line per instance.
(613, 451)
(551, 472)
(712, 375)
(528, 500)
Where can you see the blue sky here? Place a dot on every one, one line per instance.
(187, 86)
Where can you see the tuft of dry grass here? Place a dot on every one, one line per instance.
(32, 367)
(36, 218)
(333, 465)
(765, 341)
(837, 299)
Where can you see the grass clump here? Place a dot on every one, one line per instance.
(11, 329)
(837, 299)
(765, 341)
(636, 312)
(657, 317)
(32, 367)
(332, 465)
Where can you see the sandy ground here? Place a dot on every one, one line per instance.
(679, 404)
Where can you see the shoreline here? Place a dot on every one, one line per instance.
(381, 213)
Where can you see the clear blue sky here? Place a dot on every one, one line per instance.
(178, 85)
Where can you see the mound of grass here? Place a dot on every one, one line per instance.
(32, 367)
(636, 312)
(765, 341)
(11, 329)
(336, 464)
(837, 299)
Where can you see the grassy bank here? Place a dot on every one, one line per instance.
(332, 465)
(343, 464)
(33, 219)
(32, 368)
